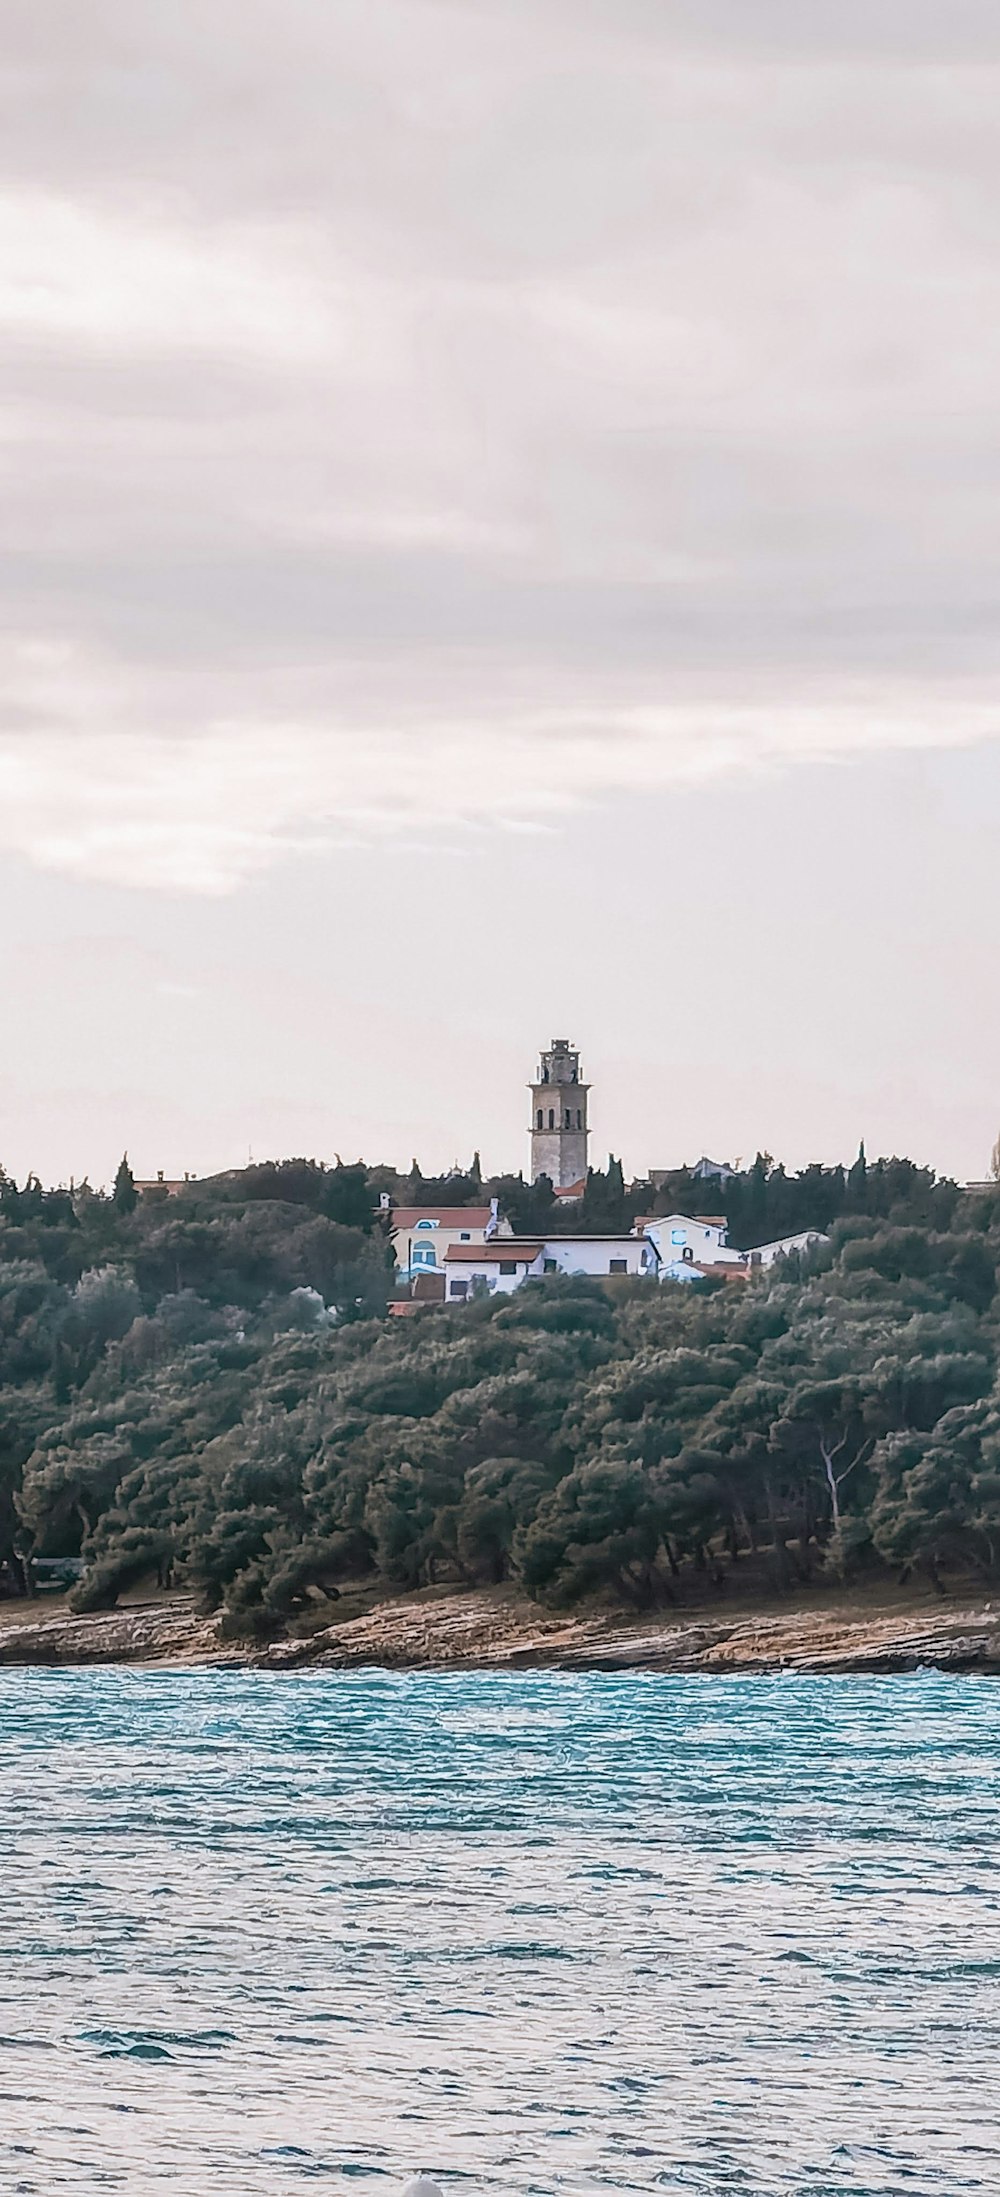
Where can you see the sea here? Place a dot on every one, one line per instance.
(527, 1933)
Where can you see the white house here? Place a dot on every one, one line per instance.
(696, 1239)
(422, 1235)
(501, 1265)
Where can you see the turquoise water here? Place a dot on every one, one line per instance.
(535, 1933)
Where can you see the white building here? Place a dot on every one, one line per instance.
(698, 1239)
(422, 1235)
(501, 1265)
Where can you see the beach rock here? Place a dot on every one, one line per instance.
(501, 1631)
(149, 1632)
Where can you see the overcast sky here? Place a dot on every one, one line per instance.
(499, 533)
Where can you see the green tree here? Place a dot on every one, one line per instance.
(124, 1197)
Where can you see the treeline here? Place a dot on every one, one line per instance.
(762, 1203)
(207, 1390)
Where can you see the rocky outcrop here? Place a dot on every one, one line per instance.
(148, 1632)
(501, 1632)
(477, 1631)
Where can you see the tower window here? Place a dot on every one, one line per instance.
(541, 1118)
(579, 1119)
(552, 1118)
(569, 1119)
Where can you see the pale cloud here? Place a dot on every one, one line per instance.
(89, 280)
(201, 814)
(423, 418)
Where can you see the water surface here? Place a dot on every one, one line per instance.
(541, 1933)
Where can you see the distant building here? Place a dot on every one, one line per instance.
(699, 1239)
(704, 1170)
(501, 1266)
(163, 1186)
(422, 1235)
(559, 1127)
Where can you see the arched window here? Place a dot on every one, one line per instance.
(426, 1224)
(424, 1254)
(541, 1118)
(579, 1119)
(569, 1119)
(552, 1118)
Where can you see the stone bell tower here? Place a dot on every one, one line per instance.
(559, 1129)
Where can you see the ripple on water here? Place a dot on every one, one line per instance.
(537, 1933)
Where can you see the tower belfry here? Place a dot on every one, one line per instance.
(559, 1128)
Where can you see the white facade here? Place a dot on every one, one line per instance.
(501, 1266)
(494, 1268)
(423, 1235)
(698, 1240)
(599, 1255)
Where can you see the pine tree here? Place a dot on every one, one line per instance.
(124, 1196)
(857, 1182)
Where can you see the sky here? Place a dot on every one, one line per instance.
(500, 537)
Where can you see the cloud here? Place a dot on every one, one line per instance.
(422, 417)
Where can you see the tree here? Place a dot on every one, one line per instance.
(857, 1183)
(125, 1196)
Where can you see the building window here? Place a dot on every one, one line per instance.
(541, 1119)
(569, 1119)
(550, 1267)
(552, 1118)
(459, 1289)
(465, 1235)
(426, 1224)
(424, 1254)
(508, 1266)
(617, 1266)
(579, 1119)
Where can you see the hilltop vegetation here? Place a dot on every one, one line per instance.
(207, 1390)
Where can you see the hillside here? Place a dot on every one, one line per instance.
(207, 1392)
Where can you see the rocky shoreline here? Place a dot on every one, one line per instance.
(500, 1632)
